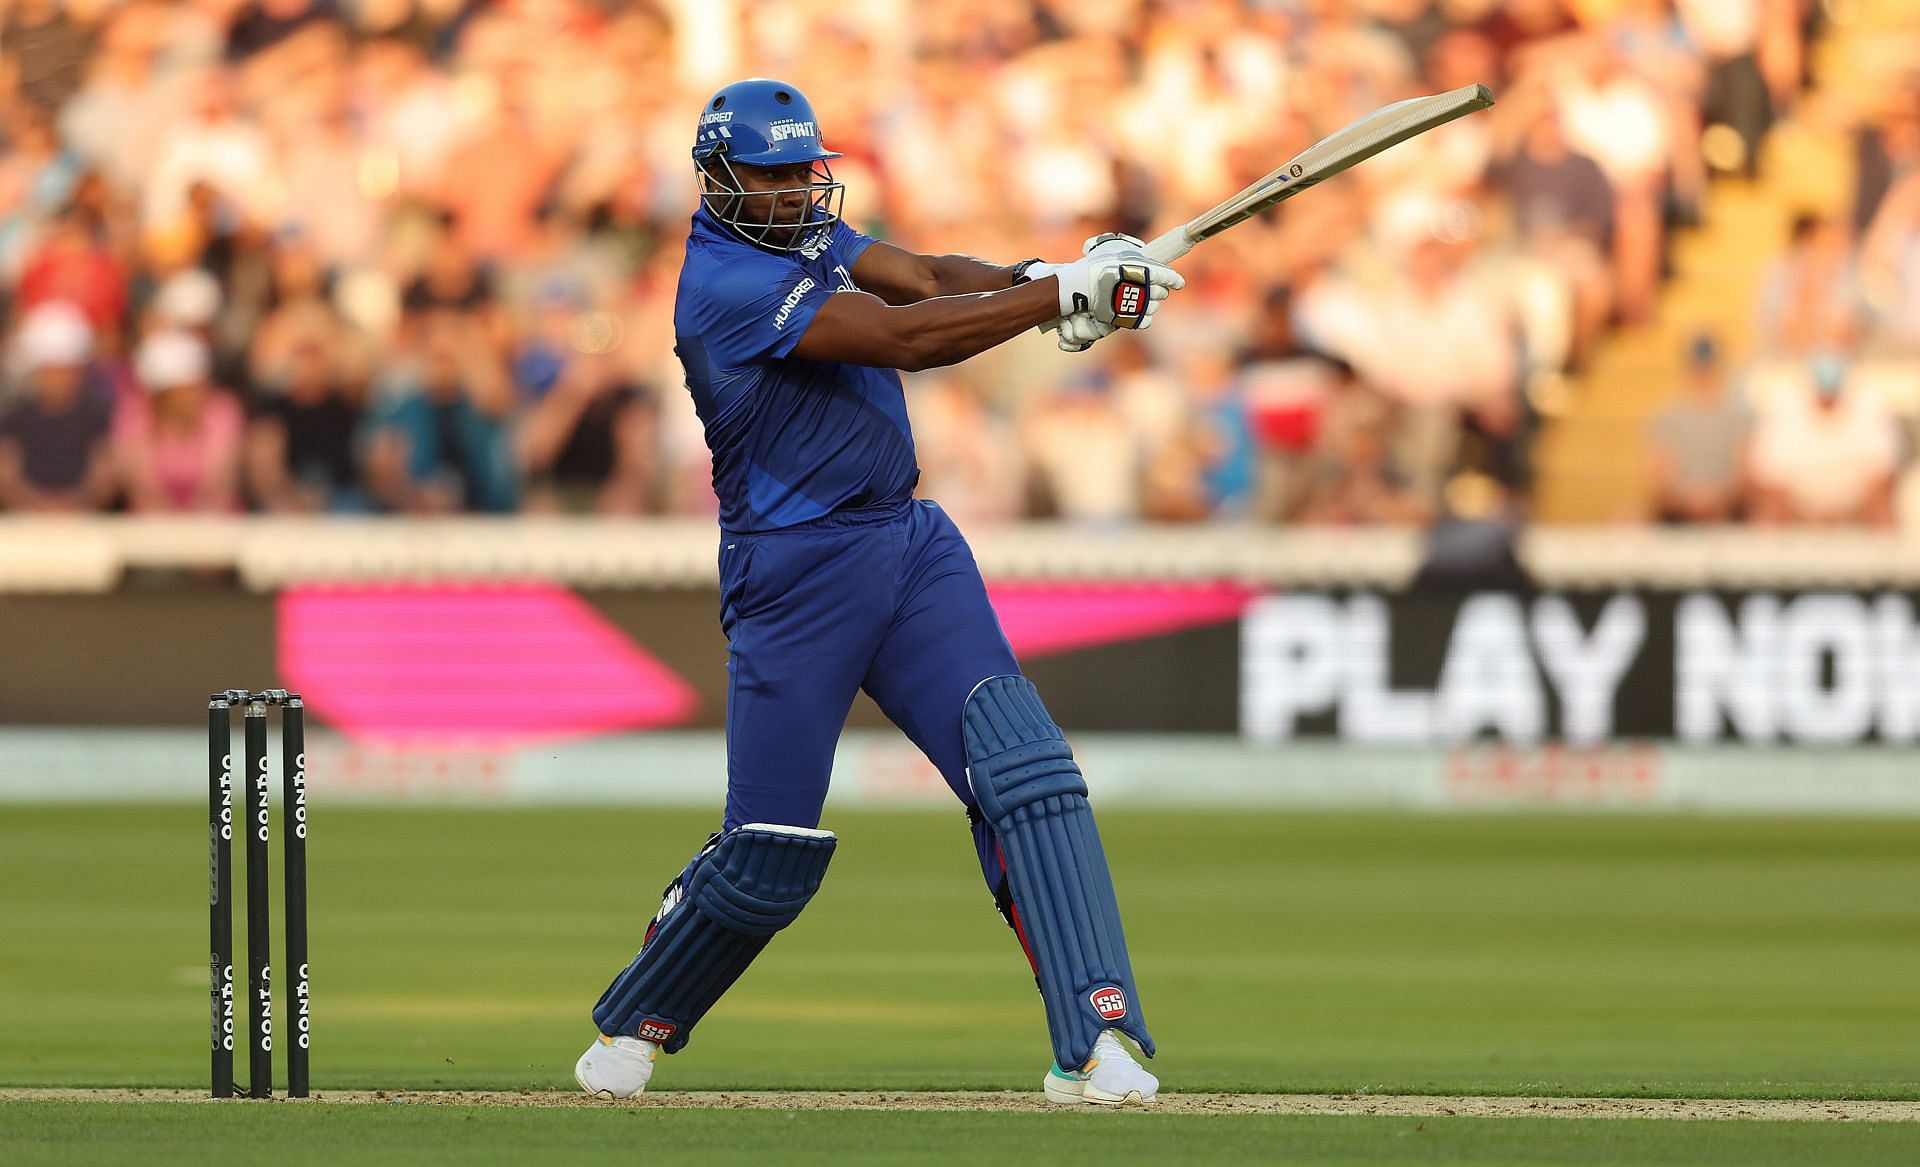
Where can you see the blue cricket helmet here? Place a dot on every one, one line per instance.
(763, 122)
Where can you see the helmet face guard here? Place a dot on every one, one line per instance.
(754, 214)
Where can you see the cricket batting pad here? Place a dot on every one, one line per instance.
(1032, 794)
(746, 885)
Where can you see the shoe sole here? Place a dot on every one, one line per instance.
(1066, 1092)
(1063, 1091)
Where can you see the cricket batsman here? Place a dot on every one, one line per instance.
(834, 579)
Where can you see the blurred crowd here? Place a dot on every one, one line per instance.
(1820, 422)
(419, 255)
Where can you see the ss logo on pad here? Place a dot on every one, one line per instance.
(657, 1031)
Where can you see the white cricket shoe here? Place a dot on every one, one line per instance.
(616, 1067)
(1110, 1078)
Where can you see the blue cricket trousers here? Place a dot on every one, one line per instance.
(887, 599)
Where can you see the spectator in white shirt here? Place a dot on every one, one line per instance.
(1827, 456)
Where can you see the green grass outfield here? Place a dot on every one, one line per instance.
(1643, 956)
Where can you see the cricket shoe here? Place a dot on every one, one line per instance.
(1110, 1078)
(616, 1067)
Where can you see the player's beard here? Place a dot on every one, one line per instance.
(785, 222)
(760, 216)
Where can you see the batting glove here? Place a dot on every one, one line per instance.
(1112, 286)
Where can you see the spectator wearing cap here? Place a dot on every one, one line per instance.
(178, 449)
(191, 300)
(1827, 456)
(1698, 445)
(54, 436)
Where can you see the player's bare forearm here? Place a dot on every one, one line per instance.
(902, 277)
(960, 275)
(860, 329)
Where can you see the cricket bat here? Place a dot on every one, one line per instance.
(1387, 126)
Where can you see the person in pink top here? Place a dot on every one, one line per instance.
(178, 448)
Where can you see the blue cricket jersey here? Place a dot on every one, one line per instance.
(792, 439)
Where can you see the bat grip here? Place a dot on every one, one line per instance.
(1168, 247)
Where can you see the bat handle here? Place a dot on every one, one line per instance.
(1168, 247)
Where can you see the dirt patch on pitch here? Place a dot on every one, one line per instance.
(1011, 1101)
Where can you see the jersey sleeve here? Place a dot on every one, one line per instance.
(847, 244)
(756, 308)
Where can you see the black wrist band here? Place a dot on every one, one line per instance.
(1020, 270)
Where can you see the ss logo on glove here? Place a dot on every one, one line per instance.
(1130, 296)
